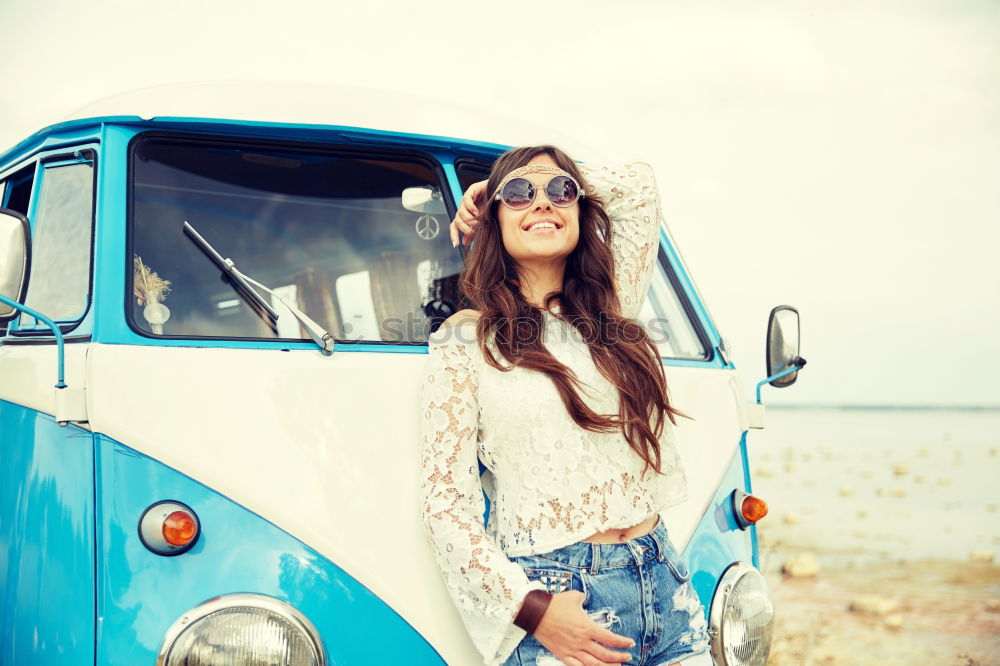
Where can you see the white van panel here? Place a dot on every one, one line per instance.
(328, 449)
(29, 374)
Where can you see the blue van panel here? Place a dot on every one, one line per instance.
(717, 542)
(46, 540)
(111, 267)
(141, 594)
(749, 489)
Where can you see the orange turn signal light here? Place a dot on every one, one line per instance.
(169, 527)
(180, 528)
(753, 508)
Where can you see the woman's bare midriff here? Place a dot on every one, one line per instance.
(621, 535)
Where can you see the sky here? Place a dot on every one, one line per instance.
(840, 156)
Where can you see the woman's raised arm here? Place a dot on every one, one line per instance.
(632, 201)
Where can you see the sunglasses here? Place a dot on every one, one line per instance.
(519, 193)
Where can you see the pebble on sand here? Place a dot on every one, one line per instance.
(898, 492)
(873, 604)
(993, 605)
(894, 621)
(944, 480)
(846, 491)
(862, 514)
(801, 566)
(763, 471)
(901, 469)
(790, 518)
(981, 556)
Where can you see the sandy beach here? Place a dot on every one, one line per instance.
(881, 545)
(944, 612)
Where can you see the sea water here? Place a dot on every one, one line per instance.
(888, 483)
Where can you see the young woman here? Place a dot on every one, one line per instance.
(561, 394)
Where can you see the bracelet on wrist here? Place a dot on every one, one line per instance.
(533, 608)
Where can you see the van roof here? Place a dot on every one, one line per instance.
(318, 106)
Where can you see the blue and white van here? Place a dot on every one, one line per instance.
(214, 307)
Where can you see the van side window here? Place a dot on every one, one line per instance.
(62, 233)
(17, 193)
(357, 239)
(471, 171)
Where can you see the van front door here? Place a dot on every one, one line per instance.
(47, 546)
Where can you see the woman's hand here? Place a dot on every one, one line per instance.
(468, 213)
(567, 632)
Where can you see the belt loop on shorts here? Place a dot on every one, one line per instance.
(595, 558)
(661, 547)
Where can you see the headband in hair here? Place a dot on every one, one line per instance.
(532, 168)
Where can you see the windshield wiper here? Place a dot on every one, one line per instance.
(241, 284)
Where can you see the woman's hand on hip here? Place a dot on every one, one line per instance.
(567, 632)
(468, 213)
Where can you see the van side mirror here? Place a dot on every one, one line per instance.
(15, 247)
(783, 345)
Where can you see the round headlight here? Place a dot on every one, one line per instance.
(741, 621)
(242, 630)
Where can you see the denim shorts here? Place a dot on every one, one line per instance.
(639, 589)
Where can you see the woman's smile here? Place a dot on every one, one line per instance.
(543, 226)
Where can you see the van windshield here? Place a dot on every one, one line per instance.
(358, 241)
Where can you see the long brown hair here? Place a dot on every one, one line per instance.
(622, 350)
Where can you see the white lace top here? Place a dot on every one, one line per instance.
(553, 483)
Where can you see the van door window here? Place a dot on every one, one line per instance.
(357, 240)
(62, 235)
